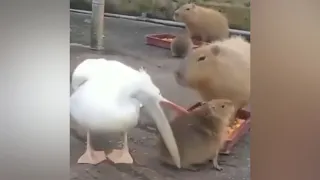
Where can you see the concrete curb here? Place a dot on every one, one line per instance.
(158, 21)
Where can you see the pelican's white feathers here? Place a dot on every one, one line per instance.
(92, 107)
(97, 67)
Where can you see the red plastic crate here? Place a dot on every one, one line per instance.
(237, 134)
(157, 40)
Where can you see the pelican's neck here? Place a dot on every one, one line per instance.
(134, 91)
(137, 96)
(135, 88)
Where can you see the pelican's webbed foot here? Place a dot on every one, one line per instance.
(120, 156)
(92, 157)
(123, 155)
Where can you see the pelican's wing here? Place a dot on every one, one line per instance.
(100, 67)
(106, 84)
(102, 99)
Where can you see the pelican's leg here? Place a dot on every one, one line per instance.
(91, 156)
(122, 155)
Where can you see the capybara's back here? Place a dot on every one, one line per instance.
(237, 43)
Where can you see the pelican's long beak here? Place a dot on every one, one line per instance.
(178, 109)
(155, 110)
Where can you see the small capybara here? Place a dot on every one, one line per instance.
(219, 70)
(181, 45)
(200, 134)
(204, 24)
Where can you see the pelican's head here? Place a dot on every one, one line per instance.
(149, 95)
(146, 89)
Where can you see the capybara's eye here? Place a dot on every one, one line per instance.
(188, 9)
(202, 58)
(222, 106)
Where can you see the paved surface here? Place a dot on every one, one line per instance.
(124, 41)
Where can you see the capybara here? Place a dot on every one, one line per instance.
(200, 134)
(219, 70)
(204, 24)
(181, 45)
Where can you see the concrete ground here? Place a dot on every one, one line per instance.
(124, 41)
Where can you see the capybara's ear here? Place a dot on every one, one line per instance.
(215, 49)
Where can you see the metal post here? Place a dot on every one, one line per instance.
(97, 24)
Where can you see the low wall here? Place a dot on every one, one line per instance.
(237, 11)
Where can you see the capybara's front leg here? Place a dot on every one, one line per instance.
(215, 163)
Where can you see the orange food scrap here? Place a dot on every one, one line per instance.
(234, 126)
(167, 39)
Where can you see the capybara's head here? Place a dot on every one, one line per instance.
(221, 107)
(197, 67)
(185, 12)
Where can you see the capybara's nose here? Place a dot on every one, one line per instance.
(176, 14)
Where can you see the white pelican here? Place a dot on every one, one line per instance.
(107, 98)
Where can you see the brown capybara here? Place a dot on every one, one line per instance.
(219, 70)
(204, 24)
(200, 134)
(181, 45)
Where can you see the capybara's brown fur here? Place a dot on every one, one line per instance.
(181, 45)
(203, 23)
(219, 70)
(237, 43)
(200, 134)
